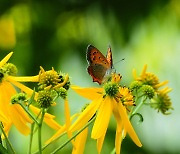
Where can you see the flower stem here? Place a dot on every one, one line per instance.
(29, 113)
(31, 137)
(44, 147)
(6, 138)
(138, 107)
(113, 151)
(39, 130)
(69, 140)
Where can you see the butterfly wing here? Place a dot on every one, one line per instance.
(109, 57)
(98, 64)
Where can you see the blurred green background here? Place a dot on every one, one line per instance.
(56, 33)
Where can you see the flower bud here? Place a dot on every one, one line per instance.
(135, 85)
(45, 98)
(162, 102)
(18, 98)
(148, 91)
(62, 92)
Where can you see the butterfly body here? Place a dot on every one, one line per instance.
(99, 65)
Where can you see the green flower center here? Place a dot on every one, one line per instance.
(111, 89)
(10, 69)
(45, 98)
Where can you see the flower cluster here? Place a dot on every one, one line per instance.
(148, 85)
(11, 113)
(30, 107)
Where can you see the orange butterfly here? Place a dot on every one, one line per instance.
(99, 66)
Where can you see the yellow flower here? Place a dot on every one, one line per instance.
(147, 78)
(161, 101)
(150, 87)
(107, 100)
(13, 114)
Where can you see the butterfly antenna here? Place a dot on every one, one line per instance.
(119, 61)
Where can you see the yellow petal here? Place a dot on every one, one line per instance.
(3, 104)
(134, 74)
(80, 142)
(5, 59)
(6, 92)
(3, 118)
(19, 123)
(52, 123)
(102, 120)
(89, 93)
(61, 130)
(22, 113)
(118, 141)
(67, 117)
(86, 115)
(127, 124)
(25, 78)
(36, 111)
(48, 118)
(58, 133)
(100, 142)
(27, 90)
(144, 70)
(67, 113)
(165, 90)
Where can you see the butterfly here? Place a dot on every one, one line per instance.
(100, 67)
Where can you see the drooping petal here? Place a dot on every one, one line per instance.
(80, 141)
(127, 124)
(67, 117)
(119, 134)
(118, 140)
(25, 78)
(58, 133)
(100, 142)
(22, 113)
(10, 91)
(36, 111)
(19, 123)
(3, 104)
(48, 118)
(102, 120)
(67, 113)
(86, 115)
(5, 59)
(90, 93)
(61, 130)
(52, 123)
(3, 118)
